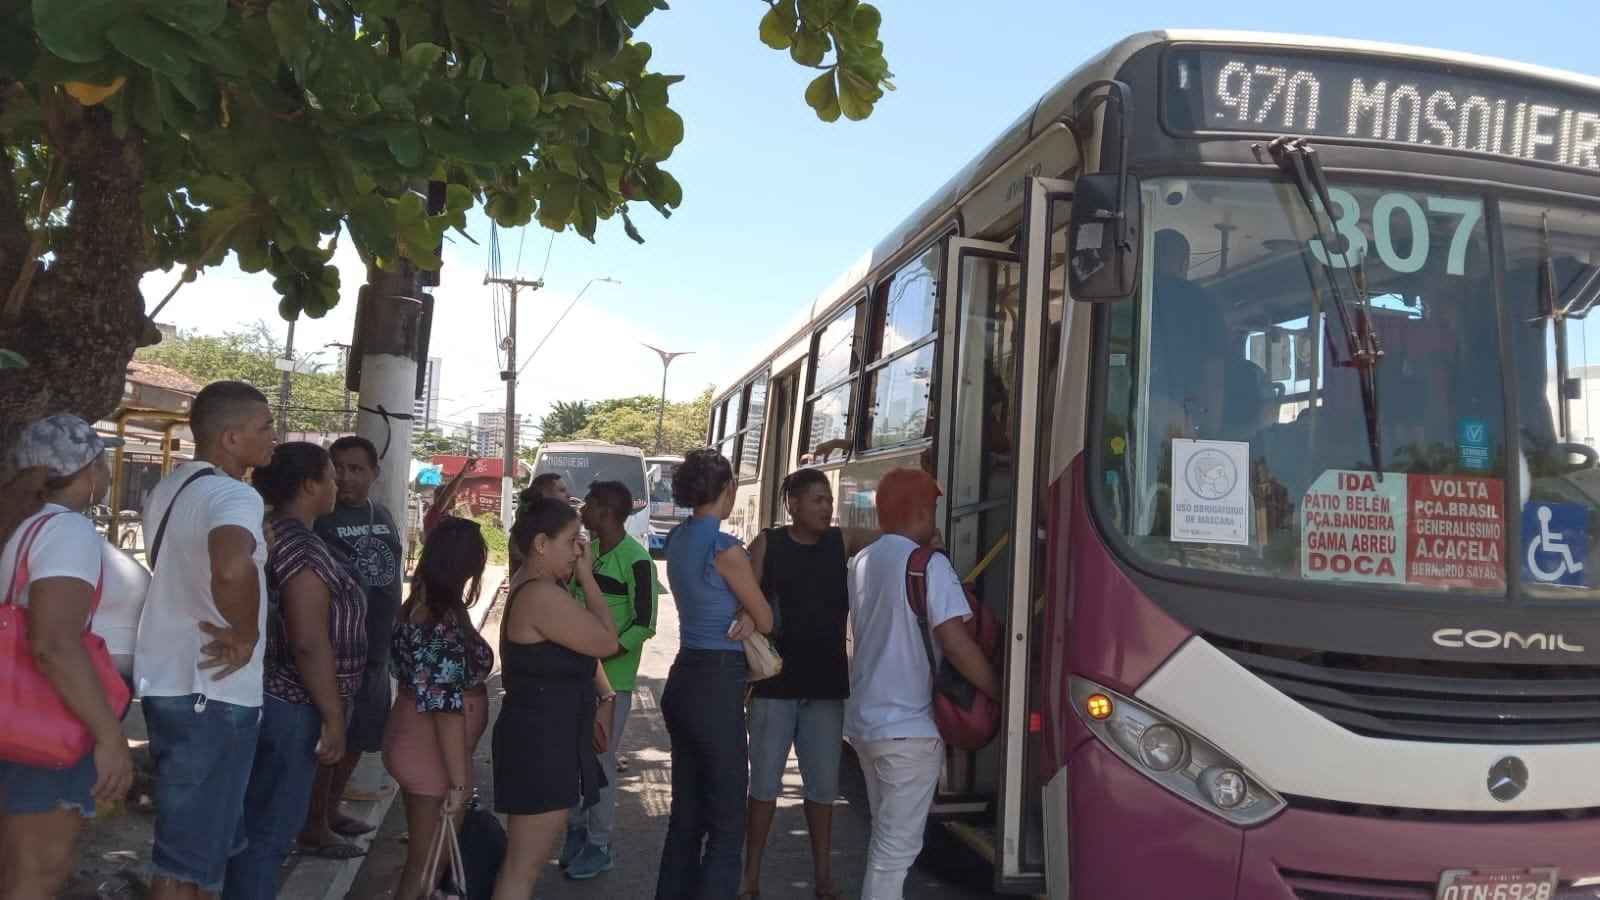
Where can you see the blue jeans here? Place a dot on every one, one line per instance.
(30, 790)
(276, 801)
(202, 750)
(703, 706)
(814, 728)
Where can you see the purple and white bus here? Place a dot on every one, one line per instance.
(1253, 368)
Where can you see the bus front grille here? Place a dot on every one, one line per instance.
(1429, 700)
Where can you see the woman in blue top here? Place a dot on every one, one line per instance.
(719, 605)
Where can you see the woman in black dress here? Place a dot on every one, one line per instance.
(546, 737)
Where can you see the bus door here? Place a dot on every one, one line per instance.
(976, 460)
(781, 401)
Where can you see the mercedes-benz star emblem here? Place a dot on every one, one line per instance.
(1508, 778)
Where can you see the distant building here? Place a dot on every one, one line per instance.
(425, 411)
(491, 433)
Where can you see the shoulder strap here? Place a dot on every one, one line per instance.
(161, 532)
(917, 596)
(19, 578)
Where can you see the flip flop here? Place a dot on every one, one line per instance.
(337, 850)
(345, 826)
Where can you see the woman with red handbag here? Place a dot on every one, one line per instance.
(72, 754)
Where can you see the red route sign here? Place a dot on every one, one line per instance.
(1455, 531)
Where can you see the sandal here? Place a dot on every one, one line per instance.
(345, 826)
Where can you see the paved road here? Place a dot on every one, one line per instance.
(643, 803)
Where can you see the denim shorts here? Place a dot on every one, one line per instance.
(202, 750)
(29, 790)
(815, 728)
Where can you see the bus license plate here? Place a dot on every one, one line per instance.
(1501, 884)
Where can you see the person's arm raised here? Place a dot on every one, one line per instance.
(554, 614)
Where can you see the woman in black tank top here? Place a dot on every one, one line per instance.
(802, 569)
(545, 740)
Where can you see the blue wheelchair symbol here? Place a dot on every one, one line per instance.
(1557, 539)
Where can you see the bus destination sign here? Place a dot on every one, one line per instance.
(1373, 99)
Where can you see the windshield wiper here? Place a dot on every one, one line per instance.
(1362, 350)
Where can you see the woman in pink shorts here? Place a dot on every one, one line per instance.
(441, 709)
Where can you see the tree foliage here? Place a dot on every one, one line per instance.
(564, 421)
(631, 421)
(316, 399)
(170, 133)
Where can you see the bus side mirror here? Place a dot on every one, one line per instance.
(1103, 238)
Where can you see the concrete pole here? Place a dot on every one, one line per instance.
(390, 343)
(508, 453)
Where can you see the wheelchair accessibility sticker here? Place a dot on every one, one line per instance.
(1557, 539)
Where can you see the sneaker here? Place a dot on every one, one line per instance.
(591, 861)
(577, 840)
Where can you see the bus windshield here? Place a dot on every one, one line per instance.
(581, 468)
(1236, 437)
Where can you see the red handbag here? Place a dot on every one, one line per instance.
(966, 717)
(40, 730)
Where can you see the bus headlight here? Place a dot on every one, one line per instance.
(1173, 756)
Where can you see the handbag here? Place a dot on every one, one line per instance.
(762, 657)
(483, 851)
(40, 729)
(445, 841)
(966, 717)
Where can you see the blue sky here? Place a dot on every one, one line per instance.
(777, 203)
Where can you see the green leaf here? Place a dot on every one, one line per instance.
(457, 196)
(777, 26)
(395, 98)
(523, 105)
(866, 22)
(822, 95)
(195, 17)
(671, 193)
(420, 60)
(810, 47)
(856, 96)
(75, 30)
(405, 144)
(11, 359)
(154, 46)
(665, 129)
(487, 107)
(555, 205)
(560, 11)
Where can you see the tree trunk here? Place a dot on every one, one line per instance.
(83, 316)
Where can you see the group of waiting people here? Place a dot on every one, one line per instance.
(273, 622)
(805, 584)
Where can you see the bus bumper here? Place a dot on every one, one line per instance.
(1129, 837)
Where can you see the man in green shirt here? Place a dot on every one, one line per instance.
(626, 575)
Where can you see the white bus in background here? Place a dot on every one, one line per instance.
(664, 513)
(583, 462)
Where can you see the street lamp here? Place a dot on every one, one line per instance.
(661, 408)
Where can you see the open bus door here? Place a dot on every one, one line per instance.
(996, 384)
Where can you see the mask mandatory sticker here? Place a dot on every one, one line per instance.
(1210, 493)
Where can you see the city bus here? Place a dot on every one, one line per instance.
(1251, 366)
(582, 462)
(665, 514)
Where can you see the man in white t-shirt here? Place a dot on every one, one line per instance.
(889, 716)
(197, 658)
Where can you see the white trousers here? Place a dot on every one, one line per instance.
(902, 777)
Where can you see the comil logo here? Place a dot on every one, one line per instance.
(1488, 639)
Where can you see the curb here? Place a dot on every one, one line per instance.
(314, 878)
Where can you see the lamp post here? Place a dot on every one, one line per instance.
(661, 408)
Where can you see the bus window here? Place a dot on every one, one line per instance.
(900, 383)
(748, 465)
(835, 362)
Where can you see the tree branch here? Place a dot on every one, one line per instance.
(193, 268)
(54, 181)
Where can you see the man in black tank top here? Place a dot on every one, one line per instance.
(802, 570)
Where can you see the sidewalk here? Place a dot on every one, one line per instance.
(115, 848)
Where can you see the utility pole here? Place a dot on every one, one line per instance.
(508, 455)
(285, 384)
(661, 408)
(344, 366)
